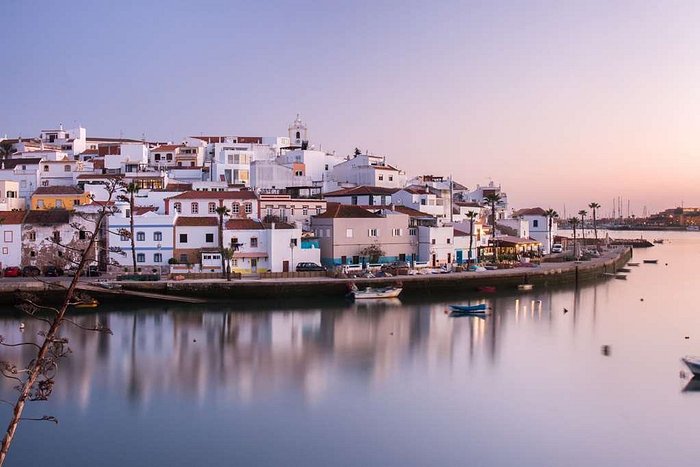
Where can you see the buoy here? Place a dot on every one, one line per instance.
(641, 299)
(21, 325)
(687, 337)
(565, 310)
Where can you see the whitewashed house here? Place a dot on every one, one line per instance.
(11, 238)
(370, 170)
(538, 226)
(241, 203)
(362, 196)
(421, 199)
(436, 245)
(9, 196)
(153, 237)
(193, 236)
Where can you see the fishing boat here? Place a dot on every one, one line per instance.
(486, 288)
(624, 270)
(693, 363)
(375, 292)
(469, 308)
(659, 241)
(651, 261)
(632, 264)
(524, 287)
(621, 277)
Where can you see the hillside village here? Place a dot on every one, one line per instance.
(275, 202)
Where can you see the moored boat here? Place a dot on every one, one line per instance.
(632, 264)
(481, 307)
(693, 363)
(624, 270)
(524, 287)
(92, 303)
(375, 292)
(651, 261)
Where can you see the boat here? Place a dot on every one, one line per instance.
(659, 241)
(621, 276)
(486, 288)
(624, 270)
(693, 228)
(524, 286)
(469, 308)
(651, 261)
(632, 264)
(693, 363)
(375, 292)
(92, 303)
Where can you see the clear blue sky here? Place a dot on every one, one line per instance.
(562, 102)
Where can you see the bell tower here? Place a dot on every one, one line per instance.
(297, 133)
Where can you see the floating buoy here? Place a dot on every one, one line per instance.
(605, 350)
(641, 299)
(21, 325)
(687, 337)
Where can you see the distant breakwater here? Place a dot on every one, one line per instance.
(548, 274)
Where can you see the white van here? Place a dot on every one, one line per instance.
(557, 248)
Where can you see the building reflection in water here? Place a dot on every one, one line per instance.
(244, 356)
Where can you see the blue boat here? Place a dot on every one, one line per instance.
(480, 308)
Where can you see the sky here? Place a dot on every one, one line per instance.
(561, 103)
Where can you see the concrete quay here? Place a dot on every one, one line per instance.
(212, 290)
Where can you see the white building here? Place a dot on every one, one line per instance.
(193, 235)
(436, 245)
(242, 203)
(153, 237)
(362, 196)
(421, 199)
(365, 169)
(23, 171)
(176, 155)
(538, 226)
(11, 238)
(284, 208)
(9, 196)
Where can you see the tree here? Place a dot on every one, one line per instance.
(574, 222)
(222, 211)
(130, 190)
(6, 149)
(551, 214)
(227, 254)
(372, 252)
(35, 380)
(492, 200)
(583, 213)
(357, 152)
(471, 216)
(594, 206)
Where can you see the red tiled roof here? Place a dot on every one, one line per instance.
(139, 210)
(12, 217)
(58, 190)
(183, 221)
(362, 190)
(529, 212)
(47, 217)
(215, 195)
(412, 212)
(167, 147)
(244, 224)
(337, 210)
(417, 190)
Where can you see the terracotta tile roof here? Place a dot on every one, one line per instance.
(468, 204)
(58, 190)
(183, 221)
(167, 147)
(12, 163)
(417, 190)
(412, 212)
(90, 151)
(279, 225)
(139, 210)
(337, 210)
(244, 224)
(178, 187)
(529, 212)
(47, 217)
(12, 217)
(508, 239)
(210, 139)
(215, 195)
(362, 190)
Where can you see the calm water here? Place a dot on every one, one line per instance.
(387, 385)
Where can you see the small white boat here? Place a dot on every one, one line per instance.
(693, 364)
(375, 292)
(525, 287)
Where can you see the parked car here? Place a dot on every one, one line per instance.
(30, 271)
(557, 248)
(53, 271)
(306, 267)
(396, 268)
(12, 271)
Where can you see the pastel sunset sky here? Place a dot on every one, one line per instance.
(561, 102)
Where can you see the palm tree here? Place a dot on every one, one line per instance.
(6, 150)
(131, 190)
(593, 207)
(227, 254)
(492, 200)
(472, 216)
(550, 214)
(574, 222)
(222, 211)
(583, 213)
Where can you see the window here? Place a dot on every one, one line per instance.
(66, 168)
(535, 223)
(268, 211)
(177, 207)
(348, 233)
(157, 236)
(124, 237)
(169, 157)
(254, 242)
(235, 208)
(353, 200)
(8, 236)
(76, 202)
(184, 258)
(305, 210)
(396, 232)
(373, 232)
(318, 210)
(82, 235)
(46, 168)
(391, 178)
(32, 236)
(209, 238)
(157, 258)
(140, 236)
(432, 242)
(140, 257)
(44, 183)
(59, 203)
(32, 253)
(157, 157)
(449, 240)
(40, 204)
(413, 231)
(194, 208)
(56, 236)
(248, 208)
(5, 250)
(212, 208)
(381, 177)
(183, 238)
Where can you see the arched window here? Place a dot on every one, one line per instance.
(298, 135)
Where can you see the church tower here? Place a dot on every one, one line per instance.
(297, 133)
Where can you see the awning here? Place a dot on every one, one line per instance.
(250, 255)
